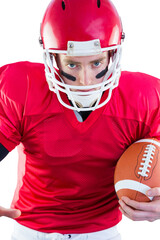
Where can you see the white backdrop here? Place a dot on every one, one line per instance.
(19, 33)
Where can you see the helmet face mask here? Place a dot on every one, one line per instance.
(83, 98)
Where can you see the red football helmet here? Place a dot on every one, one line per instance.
(82, 28)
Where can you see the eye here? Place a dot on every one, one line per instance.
(96, 64)
(71, 65)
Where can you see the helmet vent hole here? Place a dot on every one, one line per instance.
(63, 5)
(98, 3)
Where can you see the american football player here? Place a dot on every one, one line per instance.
(71, 118)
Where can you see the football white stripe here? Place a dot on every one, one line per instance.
(133, 185)
(149, 141)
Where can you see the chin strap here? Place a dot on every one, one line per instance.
(85, 101)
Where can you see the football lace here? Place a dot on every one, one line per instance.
(147, 160)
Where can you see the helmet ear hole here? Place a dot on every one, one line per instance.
(98, 3)
(63, 5)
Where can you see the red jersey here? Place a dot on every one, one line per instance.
(66, 167)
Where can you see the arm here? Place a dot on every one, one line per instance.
(11, 213)
(13, 94)
(150, 115)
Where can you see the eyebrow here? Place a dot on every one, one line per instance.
(98, 59)
(68, 61)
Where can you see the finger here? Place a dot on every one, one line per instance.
(136, 215)
(124, 213)
(143, 206)
(11, 213)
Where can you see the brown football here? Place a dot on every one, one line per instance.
(138, 170)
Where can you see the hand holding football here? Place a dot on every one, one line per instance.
(138, 170)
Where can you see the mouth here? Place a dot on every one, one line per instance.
(85, 90)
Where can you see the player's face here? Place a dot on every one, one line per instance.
(83, 71)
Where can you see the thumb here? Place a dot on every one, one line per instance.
(154, 192)
(11, 213)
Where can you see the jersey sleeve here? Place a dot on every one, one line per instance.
(144, 99)
(12, 99)
(152, 103)
(137, 100)
(153, 120)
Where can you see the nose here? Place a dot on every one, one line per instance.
(85, 77)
